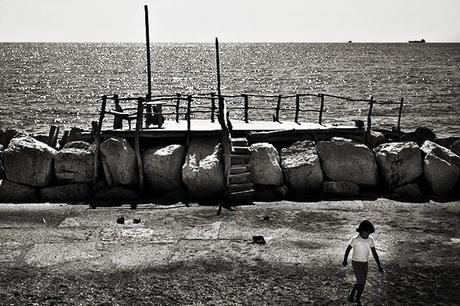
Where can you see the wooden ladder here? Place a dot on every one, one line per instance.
(239, 188)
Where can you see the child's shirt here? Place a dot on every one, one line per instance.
(361, 247)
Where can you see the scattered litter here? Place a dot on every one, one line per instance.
(136, 221)
(121, 220)
(266, 217)
(258, 239)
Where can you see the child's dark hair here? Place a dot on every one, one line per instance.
(367, 226)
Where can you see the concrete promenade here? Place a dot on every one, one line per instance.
(71, 254)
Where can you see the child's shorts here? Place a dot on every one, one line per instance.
(360, 268)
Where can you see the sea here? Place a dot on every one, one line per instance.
(44, 84)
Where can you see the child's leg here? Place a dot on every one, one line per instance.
(361, 281)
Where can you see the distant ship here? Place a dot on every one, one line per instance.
(417, 41)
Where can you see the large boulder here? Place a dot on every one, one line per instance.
(341, 188)
(400, 163)
(419, 136)
(117, 194)
(408, 192)
(73, 165)
(70, 193)
(440, 174)
(455, 148)
(202, 171)
(78, 144)
(13, 192)
(265, 165)
(301, 166)
(441, 152)
(28, 161)
(120, 159)
(163, 167)
(345, 160)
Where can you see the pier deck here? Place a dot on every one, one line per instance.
(254, 130)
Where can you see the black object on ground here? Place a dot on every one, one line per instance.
(136, 221)
(121, 220)
(258, 239)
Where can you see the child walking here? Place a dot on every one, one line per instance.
(362, 244)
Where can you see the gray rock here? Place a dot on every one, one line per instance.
(400, 163)
(441, 152)
(340, 188)
(409, 191)
(73, 165)
(117, 194)
(440, 174)
(202, 171)
(68, 193)
(301, 166)
(455, 148)
(346, 160)
(377, 138)
(28, 161)
(419, 136)
(163, 167)
(78, 145)
(121, 161)
(13, 192)
(264, 165)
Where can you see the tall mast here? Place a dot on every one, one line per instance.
(147, 38)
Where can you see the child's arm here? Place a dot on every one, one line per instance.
(345, 257)
(377, 260)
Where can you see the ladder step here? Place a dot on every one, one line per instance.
(236, 169)
(244, 193)
(240, 178)
(240, 186)
(240, 157)
(240, 142)
(239, 150)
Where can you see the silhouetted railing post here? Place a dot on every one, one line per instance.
(369, 120)
(321, 109)
(213, 105)
(189, 112)
(137, 149)
(297, 108)
(246, 108)
(400, 114)
(278, 105)
(147, 42)
(177, 107)
(117, 121)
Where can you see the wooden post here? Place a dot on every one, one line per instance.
(278, 105)
(213, 105)
(221, 114)
(96, 132)
(117, 121)
(400, 114)
(189, 106)
(55, 138)
(102, 113)
(321, 109)
(177, 107)
(297, 108)
(137, 132)
(64, 139)
(51, 135)
(147, 38)
(369, 120)
(246, 108)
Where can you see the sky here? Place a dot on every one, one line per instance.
(230, 20)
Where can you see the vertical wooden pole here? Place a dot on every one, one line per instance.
(321, 109)
(117, 121)
(177, 107)
(278, 105)
(137, 149)
(213, 105)
(189, 111)
(400, 114)
(297, 108)
(97, 127)
(221, 115)
(147, 38)
(246, 108)
(369, 120)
